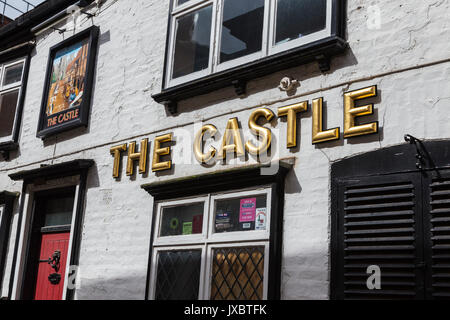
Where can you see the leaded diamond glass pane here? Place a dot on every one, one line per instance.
(238, 274)
(178, 275)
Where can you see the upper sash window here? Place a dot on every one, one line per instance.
(11, 75)
(210, 36)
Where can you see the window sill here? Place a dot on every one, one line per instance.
(321, 51)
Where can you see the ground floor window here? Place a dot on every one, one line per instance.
(213, 247)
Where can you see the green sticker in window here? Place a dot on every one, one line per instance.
(174, 223)
(187, 228)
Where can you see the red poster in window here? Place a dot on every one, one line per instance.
(247, 212)
(197, 224)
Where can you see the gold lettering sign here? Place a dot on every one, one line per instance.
(117, 152)
(351, 112)
(260, 131)
(158, 152)
(198, 144)
(232, 142)
(134, 156)
(291, 113)
(318, 134)
(232, 139)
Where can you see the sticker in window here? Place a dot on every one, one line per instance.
(248, 210)
(187, 228)
(261, 219)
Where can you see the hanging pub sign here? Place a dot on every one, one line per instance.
(68, 84)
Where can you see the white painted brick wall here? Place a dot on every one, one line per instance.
(116, 235)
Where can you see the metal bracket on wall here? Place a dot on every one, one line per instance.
(422, 155)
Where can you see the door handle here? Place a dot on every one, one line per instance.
(53, 260)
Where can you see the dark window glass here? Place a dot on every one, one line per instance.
(297, 18)
(178, 275)
(58, 211)
(8, 105)
(192, 42)
(182, 220)
(242, 28)
(182, 1)
(238, 274)
(241, 214)
(13, 74)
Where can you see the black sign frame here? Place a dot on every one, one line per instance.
(73, 117)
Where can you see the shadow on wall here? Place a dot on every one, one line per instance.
(301, 73)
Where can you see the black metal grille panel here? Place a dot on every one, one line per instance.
(379, 229)
(440, 237)
(178, 275)
(238, 274)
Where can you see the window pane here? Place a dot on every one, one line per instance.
(13, 74)
(178, 275)
(298, 18)
(8, 105)
(182, 1)
(242, 28)
(238, 274)
(182, 220)
(58, 211)
(241, 214)
(192, 41)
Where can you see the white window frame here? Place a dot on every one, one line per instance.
(277, 48)
(182, 10)
(185, 239)
(11, 88)
(239, 235)
(154, 267)
(208, 240)
(269, 48)
(221, 66)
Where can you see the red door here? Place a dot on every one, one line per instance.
(52, 266)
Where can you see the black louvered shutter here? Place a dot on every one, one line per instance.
(437, 222)
(379, 222)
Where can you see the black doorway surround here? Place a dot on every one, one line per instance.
(391, 208)
(79, 167)
(7, 201)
